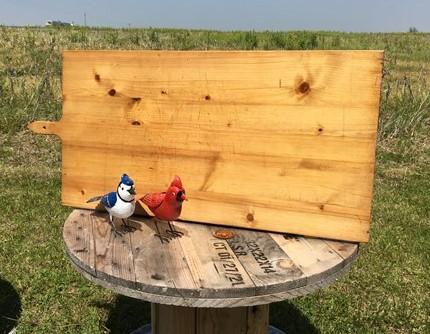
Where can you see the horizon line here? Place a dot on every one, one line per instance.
(205, 29)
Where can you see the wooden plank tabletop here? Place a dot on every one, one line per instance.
(268, 140)
(186, 265)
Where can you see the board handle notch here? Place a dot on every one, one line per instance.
(44, 127)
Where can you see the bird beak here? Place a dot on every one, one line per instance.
(184, 198)
(132, 191)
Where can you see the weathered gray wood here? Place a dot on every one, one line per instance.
(344, 249)
(315, 258)
(78, 237)
(213, 302)
(156, 269)
(114, 258)
(185, 265)
(214, 265)
(265, 261)
(148, 269)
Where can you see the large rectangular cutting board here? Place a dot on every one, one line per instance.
(279, 141)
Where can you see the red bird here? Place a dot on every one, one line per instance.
(166, 205)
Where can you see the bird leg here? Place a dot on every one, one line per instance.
(172, 231)
(158, 234)
(127, 227)
(114, 230)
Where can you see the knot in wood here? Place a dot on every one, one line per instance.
(303, 87)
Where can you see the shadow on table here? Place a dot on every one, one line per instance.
(128, 314)
(10, 307)
(288, 318)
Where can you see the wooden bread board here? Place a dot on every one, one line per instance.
(271, 140)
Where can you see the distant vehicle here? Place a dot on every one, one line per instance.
(58, 24)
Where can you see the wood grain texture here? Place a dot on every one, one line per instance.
(113, 255)
(172, 319)
(222, 320)
(79, 241)
(266, 263)
(194, 268)
(257, 319)
(213, 264)
(276, 141)
(167, 319)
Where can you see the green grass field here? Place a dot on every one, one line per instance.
(386, 291)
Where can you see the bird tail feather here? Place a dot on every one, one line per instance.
(93, 199)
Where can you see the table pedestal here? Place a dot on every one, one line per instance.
(166, 319)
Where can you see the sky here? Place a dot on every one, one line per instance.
(339, 15)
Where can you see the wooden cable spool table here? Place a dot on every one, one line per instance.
(196, 282)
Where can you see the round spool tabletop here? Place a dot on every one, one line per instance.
(184, 264)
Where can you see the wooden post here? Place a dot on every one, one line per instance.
(167, 319)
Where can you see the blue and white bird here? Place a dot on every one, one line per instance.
(119, 204)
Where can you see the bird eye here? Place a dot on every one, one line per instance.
(122, 188)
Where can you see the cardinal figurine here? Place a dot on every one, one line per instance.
(119, 204)
(166, 205)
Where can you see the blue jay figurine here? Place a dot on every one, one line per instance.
(119, 204)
